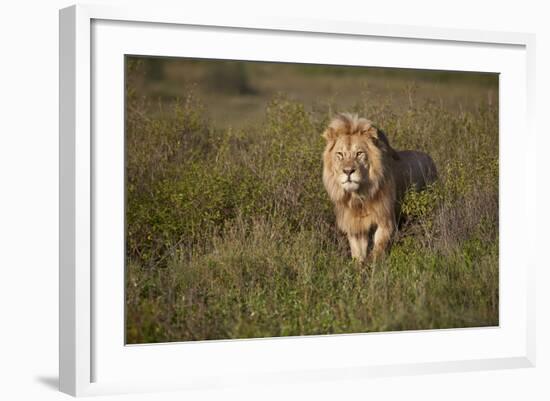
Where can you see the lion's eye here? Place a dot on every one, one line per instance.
(339, 155)
(359, 154)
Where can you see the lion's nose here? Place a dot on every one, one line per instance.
(349, 171)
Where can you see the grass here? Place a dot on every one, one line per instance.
(231, 235)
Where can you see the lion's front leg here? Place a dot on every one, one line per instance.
(358, 245)
(382, 240)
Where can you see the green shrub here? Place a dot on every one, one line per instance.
(230, 233)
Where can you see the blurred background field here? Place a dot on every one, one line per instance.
(237, 93)
(230, 233)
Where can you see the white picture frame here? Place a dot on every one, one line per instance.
(91, 354)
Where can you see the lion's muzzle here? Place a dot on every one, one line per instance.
(350, 179)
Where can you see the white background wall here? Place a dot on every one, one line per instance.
(29, 196)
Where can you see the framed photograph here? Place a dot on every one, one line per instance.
(276, 200)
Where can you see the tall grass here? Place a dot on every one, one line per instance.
(231, 235)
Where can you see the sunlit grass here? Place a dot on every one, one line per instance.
(230, 233)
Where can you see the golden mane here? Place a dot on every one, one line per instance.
(346, 124)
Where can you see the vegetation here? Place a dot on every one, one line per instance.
(230, 233)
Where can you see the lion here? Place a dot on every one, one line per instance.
(366, 179)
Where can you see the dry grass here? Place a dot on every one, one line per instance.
(231, 235)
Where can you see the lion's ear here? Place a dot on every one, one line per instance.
(329, 134)
(381, 140)
(330, 137)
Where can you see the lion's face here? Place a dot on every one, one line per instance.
(351, 162)
(356, 158)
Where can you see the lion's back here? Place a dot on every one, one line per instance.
(413, 169)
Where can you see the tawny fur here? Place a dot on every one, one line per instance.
(366, 179)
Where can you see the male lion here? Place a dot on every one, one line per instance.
(366, 179)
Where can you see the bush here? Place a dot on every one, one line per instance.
(230, 233)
